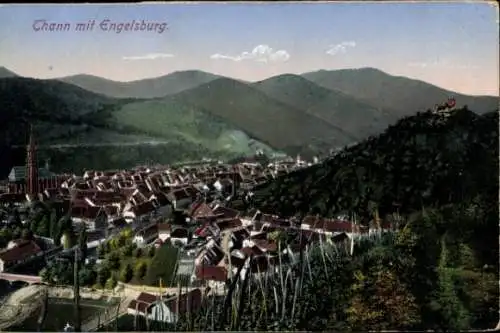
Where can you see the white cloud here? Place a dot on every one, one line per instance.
(340, 48)
(149, 56)
(260, 53)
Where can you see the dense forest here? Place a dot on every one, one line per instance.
(435, 179)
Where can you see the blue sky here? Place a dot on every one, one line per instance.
(451, 45)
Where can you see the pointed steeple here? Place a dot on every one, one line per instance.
(32, 170)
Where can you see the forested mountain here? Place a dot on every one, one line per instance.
(203, 113)
(4, 73)
(50, 104)
(422, 160)
(145, 88)
(264, 118)
(62, 113)
(403, 95)
(435, 181)
(356, 118)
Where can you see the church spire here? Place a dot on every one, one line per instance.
(32, 170)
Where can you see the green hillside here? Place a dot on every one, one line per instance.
(264, 118)
(401, 94)
(170, 120)
(352, 116)
(423, 160)
(47, 105)
(145, 88)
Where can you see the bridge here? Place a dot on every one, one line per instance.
(31, 279)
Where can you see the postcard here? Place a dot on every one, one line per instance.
(249, 166)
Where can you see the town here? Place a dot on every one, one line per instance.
(188, 207)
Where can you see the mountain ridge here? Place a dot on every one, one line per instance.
(401, 94)
(155, 87)
(355, 117)
(256, 111)
(7, 73)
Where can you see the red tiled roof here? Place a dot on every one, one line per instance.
(21, 251)
(201, 210)
(213, 273)
(229, 224)
(142, 302)
(188, 302)
(226, 213)
(266, 245)
(88, 212)
(248, 251)
(143, 208)
(164, 227)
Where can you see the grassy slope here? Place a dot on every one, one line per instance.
(354, 117)
(262, 117)
(146, 88)
(403, 95)
(171, 120)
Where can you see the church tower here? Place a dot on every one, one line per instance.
(32, 170)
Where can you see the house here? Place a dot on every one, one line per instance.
(146, 235)
(201, 210)
(215, 276)
(142, 304)
(181, 198)
(164, 230)
(162, 204)
(18, 252)
(139, 213)
(185, 264)
(229, 224)
(179, 236)
(92, 217)
(225, 213)
(169, 311)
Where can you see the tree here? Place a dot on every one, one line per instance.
(114, 260)
(42, 227)
(137, 252)
(68, 240)
(452, 312)
(102, 250)
(126, 273)
(103, 275)
(82, 243)
(87, 276)
(16, 234)
(140, 270)
(128, 250)
(111, 282)
(162, 265)
(27, 234)
(389, 304)
(46, 275)
(53, 223)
